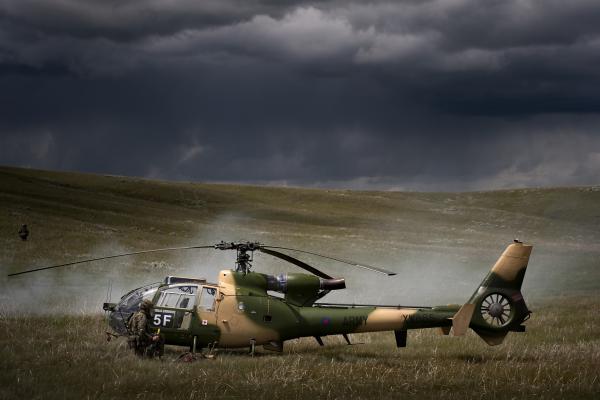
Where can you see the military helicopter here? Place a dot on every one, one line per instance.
(238, 310)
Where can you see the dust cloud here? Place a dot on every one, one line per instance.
(81, 289)
(428, 273)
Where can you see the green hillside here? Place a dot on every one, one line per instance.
(442, 243)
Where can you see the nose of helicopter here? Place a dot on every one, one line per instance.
(118, 322)
(119, 316)
(119, 313)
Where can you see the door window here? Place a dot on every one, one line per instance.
(207, 300)
(179, 296)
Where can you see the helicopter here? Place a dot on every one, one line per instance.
(240, 309)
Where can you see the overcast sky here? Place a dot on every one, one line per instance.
(418, 95)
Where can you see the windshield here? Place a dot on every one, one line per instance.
(129, 304)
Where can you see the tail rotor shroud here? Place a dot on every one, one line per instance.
(496, 310)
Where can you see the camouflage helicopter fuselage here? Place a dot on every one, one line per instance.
(238, 311)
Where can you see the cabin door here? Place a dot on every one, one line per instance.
(174, 307)
(207, 315)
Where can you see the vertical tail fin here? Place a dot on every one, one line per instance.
(509, 270)
(499, 306)
(462, 319)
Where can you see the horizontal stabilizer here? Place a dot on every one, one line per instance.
(462, 319)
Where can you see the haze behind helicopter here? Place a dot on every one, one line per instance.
(441, 244)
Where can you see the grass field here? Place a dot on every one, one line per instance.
(442, 244)
(67, 357)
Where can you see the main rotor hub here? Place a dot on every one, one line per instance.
(243, 261)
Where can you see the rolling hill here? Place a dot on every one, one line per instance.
(442, 244)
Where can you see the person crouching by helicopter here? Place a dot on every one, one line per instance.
(142, 340)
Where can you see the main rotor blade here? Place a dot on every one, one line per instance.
(113, 256)
(349, 262)
(296, 262)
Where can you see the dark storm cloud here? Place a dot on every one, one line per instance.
(414, 94)
(126, 20)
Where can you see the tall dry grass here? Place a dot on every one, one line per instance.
(68, 357)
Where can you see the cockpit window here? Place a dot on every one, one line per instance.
(149, 294)
(131, 302)
(178, 296)
(207, 301)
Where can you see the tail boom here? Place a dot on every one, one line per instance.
(496, 308)
(323, 321)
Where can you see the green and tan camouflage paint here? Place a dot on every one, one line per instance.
(245, 313)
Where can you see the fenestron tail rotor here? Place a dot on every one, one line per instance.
(496, 310)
